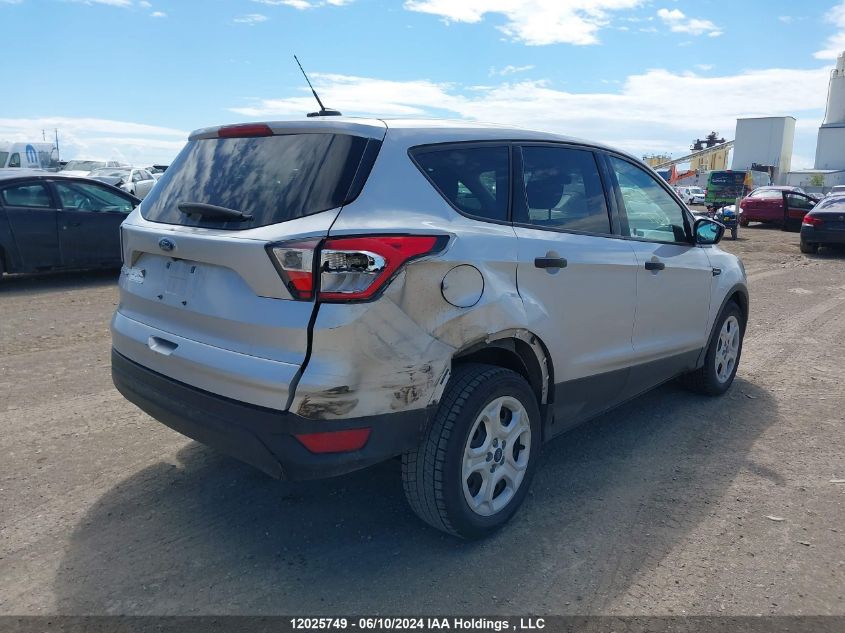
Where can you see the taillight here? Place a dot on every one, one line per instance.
(295, 263)
(246, 130)
(810, 220)
(349, 268)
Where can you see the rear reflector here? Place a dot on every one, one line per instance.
(335, 441)
(247, 130)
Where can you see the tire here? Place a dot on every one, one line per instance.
(743, 222)
(809, 248)
(716, 376)
(433, 473)
(734, 231)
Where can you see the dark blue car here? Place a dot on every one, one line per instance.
(49, 222)
(824, 224)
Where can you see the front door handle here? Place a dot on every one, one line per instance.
(550, 262)
(655, 265)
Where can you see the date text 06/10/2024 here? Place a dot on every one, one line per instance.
(416, 624)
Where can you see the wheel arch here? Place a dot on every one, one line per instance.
(737, 294)
(519, 350)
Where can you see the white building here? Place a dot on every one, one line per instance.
(764, 141)
(830, 149)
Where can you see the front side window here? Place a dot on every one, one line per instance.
(78, 196)
(562, 190)
(34, 196)
(651, 211)
(473, 179)
(15, 160)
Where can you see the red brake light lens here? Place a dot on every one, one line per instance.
(246, 130)
(810, 220)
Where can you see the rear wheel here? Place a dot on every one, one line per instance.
(809, 248)
(723, 353)
(743, 222)
(472, 470)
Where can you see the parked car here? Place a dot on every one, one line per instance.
(157, 170)
(313, 297)
(784, 206)
(824, 224)
(49, 221)
(691, 195)
(836, 190)
(85, 167)
(136, 181)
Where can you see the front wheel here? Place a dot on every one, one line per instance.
(722, 357)
(472, 470)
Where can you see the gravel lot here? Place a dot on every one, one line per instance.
(659, 507)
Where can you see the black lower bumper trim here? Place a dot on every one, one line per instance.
(259, 436)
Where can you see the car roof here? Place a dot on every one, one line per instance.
(413, 131)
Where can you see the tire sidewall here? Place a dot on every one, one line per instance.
(464, 519)
(731, 309)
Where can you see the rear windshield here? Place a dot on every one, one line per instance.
(272, 178)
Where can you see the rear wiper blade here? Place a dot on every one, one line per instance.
(214, 212)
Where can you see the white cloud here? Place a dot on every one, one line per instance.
(534, 22)
(786, 19)
(704, 67)
(158, 14)
(835, 44)
(509, 70)
(305, 4)
(680, 23)
(651, 111)
(145, 5)
(111, 3)
(251, 19)
(102, 139)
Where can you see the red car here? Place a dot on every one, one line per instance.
(785, 206)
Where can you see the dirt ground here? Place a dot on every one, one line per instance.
(660, 507)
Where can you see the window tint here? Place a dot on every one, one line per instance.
(651, 212)
(87, 197)
(562, 190)
(26, 195)
(473, 179)
(3, 157)
(15, 160)
(273, 178)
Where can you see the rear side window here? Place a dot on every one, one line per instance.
(273, 178)
(563, 190)
(473, 179)
(28, 195)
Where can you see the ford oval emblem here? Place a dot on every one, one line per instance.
(166, 244)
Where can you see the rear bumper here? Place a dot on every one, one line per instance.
(820, 236)
(262, 437)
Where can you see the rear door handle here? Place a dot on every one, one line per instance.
(550, 262)
(655, 265)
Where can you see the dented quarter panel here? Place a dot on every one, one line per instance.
(395, 353)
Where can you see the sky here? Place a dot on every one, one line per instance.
(129, 79)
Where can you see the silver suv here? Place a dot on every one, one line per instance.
(317, 296)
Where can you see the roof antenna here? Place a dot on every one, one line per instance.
(323, 111)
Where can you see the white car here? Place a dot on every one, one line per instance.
(136, 181)
(314, 297)
(691, 195)
(85, 167)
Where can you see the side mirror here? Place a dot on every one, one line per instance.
(708, 231)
